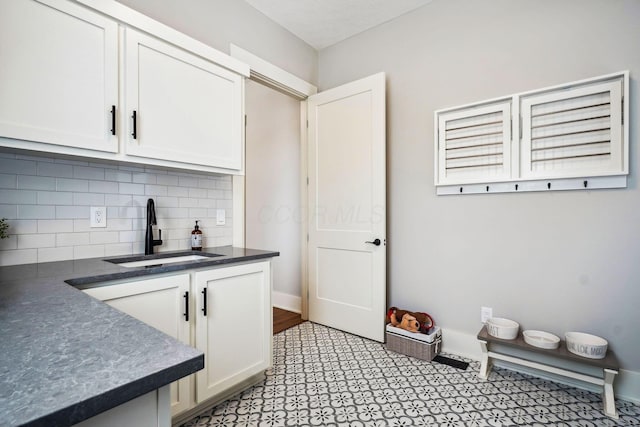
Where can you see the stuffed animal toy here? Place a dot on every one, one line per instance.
(410, 321)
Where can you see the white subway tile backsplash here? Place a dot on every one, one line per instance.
(54, 170)
(117, 200)
(130, 236)
(144, 178)
(126, 188)
(72, 239)
(47, 203)
(65, 184)
(117, 176)
(34, 241)
(8, 181)
(14, 166)
(19, 256)
(36, 212)
(102, 237)
(55, 225)
(88, 199)
(103, 187)
(55, 198)
(27, 226)
(55, 254)
(8, 211)
(28, 182)
(9, 243)
(88, 251)
(17, 197)
(185, 202)
(167, 180)
(72, 212)
(155, 190)
(187, 181)
(118, 249)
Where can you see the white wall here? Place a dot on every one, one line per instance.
(273, 211)
(221, 22)
(557, 261)
(47, 203)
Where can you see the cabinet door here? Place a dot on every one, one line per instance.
(233, 326)
(161, 303)
(574, 132)
(474, 144)
(58, 74)
(186, 109)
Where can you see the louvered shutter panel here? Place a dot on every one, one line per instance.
(474, 144)
(573, 132)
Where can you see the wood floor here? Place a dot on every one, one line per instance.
(283, 319)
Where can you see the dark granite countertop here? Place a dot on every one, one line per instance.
(66, 357)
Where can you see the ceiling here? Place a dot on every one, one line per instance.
(322, 23)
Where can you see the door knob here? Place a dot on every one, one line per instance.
(375, 242)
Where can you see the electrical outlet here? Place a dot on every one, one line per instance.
(485, 314)
(98, 216)
(220, 217)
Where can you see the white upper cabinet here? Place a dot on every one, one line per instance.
(58, 74)
(566, 137)
(74, 73)
(180, 107)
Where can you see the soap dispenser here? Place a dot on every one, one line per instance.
(196, 238)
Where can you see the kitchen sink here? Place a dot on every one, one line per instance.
(160, 259)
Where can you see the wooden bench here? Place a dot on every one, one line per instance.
(609, 364)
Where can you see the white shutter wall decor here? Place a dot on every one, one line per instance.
(567, 137)
(475, 144)
(573, 132)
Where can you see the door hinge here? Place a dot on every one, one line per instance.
(307, 180)
(245, 121)
(520, 122)
(622, 110)
(307, 237)
(307, 124)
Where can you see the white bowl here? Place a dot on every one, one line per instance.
(586, 345)
(541, 339)
(502, 328)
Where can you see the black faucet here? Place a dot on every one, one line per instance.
(149, 241)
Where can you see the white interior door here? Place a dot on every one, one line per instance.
(347, 207)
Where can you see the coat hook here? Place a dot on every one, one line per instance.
(516, 187)
(584, 183)
(549, 185)
(487, 188)
(461, 189)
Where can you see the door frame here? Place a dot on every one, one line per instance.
(270, 75)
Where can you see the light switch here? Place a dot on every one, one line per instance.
(98, 217)
(220, 217)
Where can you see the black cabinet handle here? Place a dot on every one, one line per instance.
(186, 306)
(134, 134)
(375, 242)
(113, 120)
(204, 307)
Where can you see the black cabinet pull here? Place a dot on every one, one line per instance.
(134, 134)
(204, 307)
(113, 120)
(186, 306)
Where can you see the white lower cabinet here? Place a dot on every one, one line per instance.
(224, 311)
(233, 326)
(161, 303)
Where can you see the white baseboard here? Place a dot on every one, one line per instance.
(626, 385)
(286, 301)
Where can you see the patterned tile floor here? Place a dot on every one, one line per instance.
(325, 377)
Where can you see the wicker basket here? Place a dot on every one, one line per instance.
(417, 345)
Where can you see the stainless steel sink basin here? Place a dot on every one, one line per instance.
(158, 260)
